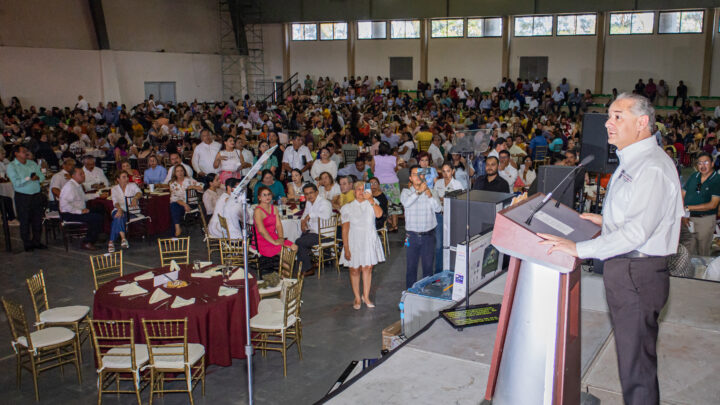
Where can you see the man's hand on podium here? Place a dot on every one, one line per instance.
(594, 218)
(559, 244)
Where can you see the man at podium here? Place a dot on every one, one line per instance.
(640, 229)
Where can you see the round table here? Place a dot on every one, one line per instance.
(218, 323)
(158, 208)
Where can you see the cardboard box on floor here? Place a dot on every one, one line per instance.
(391, 336)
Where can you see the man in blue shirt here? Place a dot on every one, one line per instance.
(154, 174)
(538, 140)
(26, 177)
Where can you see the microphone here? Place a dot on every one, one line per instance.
(547, 198)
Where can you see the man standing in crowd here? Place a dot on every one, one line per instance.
(680, 93)
(297, 157)
(420, 222)
(73, 207)
(315, 208)
(204, 156)
(26, 177)
(94, 176)
(491, 181)
(640, 230)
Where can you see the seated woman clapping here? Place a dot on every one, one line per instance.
(268, 225)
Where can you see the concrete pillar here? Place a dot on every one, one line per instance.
(600, 28)
(710, 33)
(286, 37)
(352, 37)
(424, 34)
(506, 34)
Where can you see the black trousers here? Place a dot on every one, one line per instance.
(30, 213)
(93, 220)
(305, 243)
(636, 291)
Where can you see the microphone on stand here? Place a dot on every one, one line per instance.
(547, 198)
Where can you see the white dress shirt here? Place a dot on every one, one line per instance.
(440, 189)
(321, 208)
(204, 157)
(294, 157)
(118, 195)
(93, 177)
(510, 174)
(643, 206)
(73, 197)
(58, 181)
(231, 211)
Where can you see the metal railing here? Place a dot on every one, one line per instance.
(280, 90)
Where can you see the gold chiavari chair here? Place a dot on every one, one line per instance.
(327, 247)
(224, 226)
(383, 233)
(285, 271)
(41, 350)
(177, 249)
(170, 352)
(231, 252)
(281, 327)
(117, 355)
(106, 267)
(74, 316)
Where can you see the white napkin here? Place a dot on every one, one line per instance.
(181, 302)
(174, 266)
(201, 275)
(226, 291)
(158, 296)
(123, 287)
(146, 276)
(133, 289)
(202, 264)
(239, 274)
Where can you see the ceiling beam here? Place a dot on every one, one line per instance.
(98, 20)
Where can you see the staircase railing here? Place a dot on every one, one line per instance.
(283, 89)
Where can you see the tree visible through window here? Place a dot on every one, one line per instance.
(484, 27)
(330, 31)
(533, 26)
(631, 23)
(576, 24)
(451, 28)
(304, 32)
(680, 22)
(405, 29)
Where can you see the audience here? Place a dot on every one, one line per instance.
(124, 189)
(73, 207)
(94, 176)
(180, 183)
(154, 174)
(268, 226)
(315, 208)
(212, 193)
(268, 180)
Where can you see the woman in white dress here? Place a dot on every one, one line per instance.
(230, 161)
(361, 248)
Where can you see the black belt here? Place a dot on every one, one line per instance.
(430, 232)
(698, 214)
(636, 254)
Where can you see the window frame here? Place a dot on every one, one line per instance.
(534, 16)
(467, 26)
(464, 28)
(371, 22)
(317, 34)
(390, 23)
(702, 22)
(576, 15)
(655, 18)
(333, 23)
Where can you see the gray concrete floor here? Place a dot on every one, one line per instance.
(334, 333)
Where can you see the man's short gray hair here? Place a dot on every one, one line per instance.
(641, 106)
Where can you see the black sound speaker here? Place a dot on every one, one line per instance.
(549, 177)
(595, 142)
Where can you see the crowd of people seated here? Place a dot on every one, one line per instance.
(329, 136)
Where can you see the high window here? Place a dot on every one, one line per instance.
(484, 27)
(632, 23)
(533, 26)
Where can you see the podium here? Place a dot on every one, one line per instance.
(536, 359)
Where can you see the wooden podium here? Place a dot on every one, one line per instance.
(536, 359)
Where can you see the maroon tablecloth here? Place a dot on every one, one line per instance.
(219, 323)
(158, 208)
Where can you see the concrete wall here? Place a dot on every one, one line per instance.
(103, 75)
(272, 52)
(669, 57)
(569, 57)
(151, 25)
(478, 60)
(314, 58)
(47, 24)
(372, 57)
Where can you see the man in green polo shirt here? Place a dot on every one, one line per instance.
(26, 177)
(701, 195)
